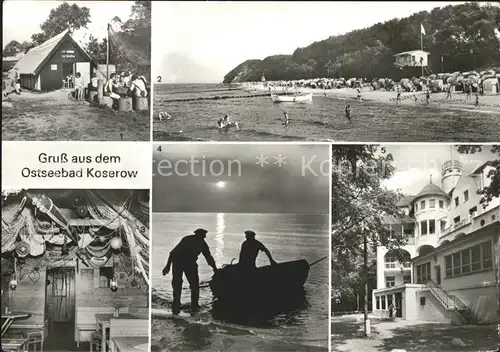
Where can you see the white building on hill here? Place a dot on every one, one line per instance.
(446, 272)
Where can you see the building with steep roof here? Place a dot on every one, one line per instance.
(446, 270)
(46, 66)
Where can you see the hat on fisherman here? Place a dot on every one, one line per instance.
(200, 231)
(250, 233)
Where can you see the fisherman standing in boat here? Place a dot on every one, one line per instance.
(184, 257)
(250, 250)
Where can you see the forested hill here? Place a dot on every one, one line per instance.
(465, 35)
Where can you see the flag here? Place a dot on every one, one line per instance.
(422, 29)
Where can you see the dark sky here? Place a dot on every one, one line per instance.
(248, 187)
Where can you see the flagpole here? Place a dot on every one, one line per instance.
(107, 55)
(422, 47)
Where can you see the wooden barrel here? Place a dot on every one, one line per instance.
(141, 103)
(92, 96)
(125, 104)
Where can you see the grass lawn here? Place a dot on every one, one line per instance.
(409, 336)
(52, 116)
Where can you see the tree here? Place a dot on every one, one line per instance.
(360, 208)
(14, 47)
(493, 190)
(97, 50)
(61, 18)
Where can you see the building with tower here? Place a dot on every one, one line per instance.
(446, 271)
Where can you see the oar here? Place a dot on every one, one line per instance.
(317, 261)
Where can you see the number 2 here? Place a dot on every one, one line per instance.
(158, 79)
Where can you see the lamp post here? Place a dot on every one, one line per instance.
(442, 70)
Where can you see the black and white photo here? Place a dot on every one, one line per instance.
(326, 71)
(240, 247)
(76, 70)
(75, 270)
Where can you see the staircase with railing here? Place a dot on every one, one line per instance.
(452, 303)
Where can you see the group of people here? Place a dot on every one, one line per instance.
(116, 86)
(224, 122)
(183, 261)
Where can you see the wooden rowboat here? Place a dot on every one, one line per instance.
(302, 98)
(235, 282)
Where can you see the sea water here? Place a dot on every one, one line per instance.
(323, 119)
(287, 236)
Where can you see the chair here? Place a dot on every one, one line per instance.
(95, 341)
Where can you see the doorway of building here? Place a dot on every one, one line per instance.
(60, 294)
(399, 304)
(437, 268)
(67, 74)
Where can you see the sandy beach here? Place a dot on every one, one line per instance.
(53, 116)
(459, 101)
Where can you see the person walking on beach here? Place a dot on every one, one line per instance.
(348, 113)
(359, 93)
(477, 100)
(415, 98)
(427, 96)
(448, 92)
(183, 259)
(250, 249)
(287, 120)
(398, 97)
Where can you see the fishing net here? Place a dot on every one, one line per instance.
(129, 54)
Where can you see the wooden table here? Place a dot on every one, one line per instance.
(103, 323)
(17, 345)
(131, 344)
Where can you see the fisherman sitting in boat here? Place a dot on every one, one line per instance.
(250, 250)
(184, 257)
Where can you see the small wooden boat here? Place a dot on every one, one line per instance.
(295, 98)
(234, 282)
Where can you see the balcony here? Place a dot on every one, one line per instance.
(455, 227)
(450, 164)
(398, 266)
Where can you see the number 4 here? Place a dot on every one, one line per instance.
(159, 148)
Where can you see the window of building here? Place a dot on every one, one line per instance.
(432, 226)
(422, 205)
(377, 302)
(457, 264)
(466, 196)
(456, 220)
(423, 227)
(105, 276)
(407, 279)
(487, 255)
(389, 301)
(390, 281)
(423, 273)
(473, 210)
(443, 225)
(408, 231)
(441, 204)
(390, 262)
(449, 266)
(383, 302)
(470, 260)
(456, 201)
(432, 203)
(465, 261)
